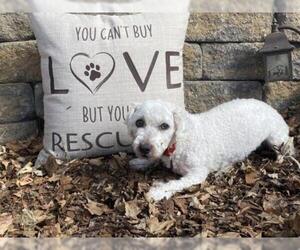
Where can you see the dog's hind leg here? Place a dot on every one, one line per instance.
(281, 143)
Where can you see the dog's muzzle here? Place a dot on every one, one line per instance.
(145, 149)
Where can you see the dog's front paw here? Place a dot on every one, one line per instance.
(139, 164)
(158, 193)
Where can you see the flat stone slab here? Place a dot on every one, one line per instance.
(192, 61)
(229, 27)
(20, 62)
(232, 61)
(15, 27)
(201, 96)
(16, 102)
(17, 131)
(291, 19)
(39, 100)
(296, 63)
(282, 94)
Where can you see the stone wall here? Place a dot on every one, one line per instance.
(221, 63)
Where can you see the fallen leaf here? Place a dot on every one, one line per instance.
(271, 204)
(33, 217)
(296, 223)
(96, 208)
(181, 204)
(156, 227)
(205, 198)
(6, 220)
(16, 164)
(97, 162)
(65, 183)
(5, 163)
(142, 225)
(168, 206)
(153, 209)
(54, 178)
(51, 166)
(26, 180)
(18, 194)
(38, 172)
(132, 209)
(273, 176)
(251, 177)
(27, 169)
(196, 204)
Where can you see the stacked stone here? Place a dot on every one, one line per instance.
(19, 70)
(221, 63)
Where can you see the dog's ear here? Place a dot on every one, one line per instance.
(179, 121)
(180, 117)
(132, 108)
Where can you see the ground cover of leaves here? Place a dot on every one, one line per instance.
(258, 197)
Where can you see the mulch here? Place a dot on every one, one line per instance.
(102, 197)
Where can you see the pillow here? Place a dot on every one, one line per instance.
(95, 66)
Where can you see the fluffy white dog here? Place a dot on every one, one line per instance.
(195, 145)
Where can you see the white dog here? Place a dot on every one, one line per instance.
(195, 145)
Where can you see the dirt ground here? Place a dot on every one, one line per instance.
(103, 197)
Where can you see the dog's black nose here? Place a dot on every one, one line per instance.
(145, 149)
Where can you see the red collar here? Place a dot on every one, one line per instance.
(170, 150)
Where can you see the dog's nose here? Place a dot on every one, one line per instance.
(145, 149)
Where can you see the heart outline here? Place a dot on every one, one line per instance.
(103, 81)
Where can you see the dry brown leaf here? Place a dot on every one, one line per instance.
(196, 204)
(143, 187)
(210, 189)
(16, 164)
(96, 208)
(153, 209)
(142, 225)
(205, 198)
(159, 228)
(27, 169)
(24, 181)
(251, 177)
(296, 223)
(54, 178)
(65, 182)
(132, 209)
(19, 193)
(5, 163)
(97, 162)
(51, 166)
(6, 220)
(16, 145)
(271, 204)
(168, 206)
(33, 217)
(181, 204)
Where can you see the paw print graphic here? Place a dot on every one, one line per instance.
(92, 71)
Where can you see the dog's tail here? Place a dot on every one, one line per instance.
(288, 147)
(287, 151)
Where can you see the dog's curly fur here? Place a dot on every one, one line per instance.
(204, 142)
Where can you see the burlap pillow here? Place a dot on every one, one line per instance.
(95, 66)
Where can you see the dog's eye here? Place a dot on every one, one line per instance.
(140, 123)
(164, 126)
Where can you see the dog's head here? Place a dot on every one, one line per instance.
(153, 126)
